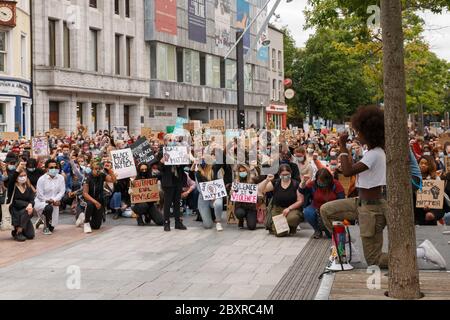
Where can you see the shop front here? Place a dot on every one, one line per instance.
(277, 115)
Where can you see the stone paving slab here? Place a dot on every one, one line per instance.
(130, 262)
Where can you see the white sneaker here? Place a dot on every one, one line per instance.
(219, 227)
(80, 220)
(87, 228)
(432, 254)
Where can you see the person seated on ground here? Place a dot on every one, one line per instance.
(243, 210)
(319, 192)
(147, 211)
(370, 207)
(427, 216)
(286, 200)
(22, 203)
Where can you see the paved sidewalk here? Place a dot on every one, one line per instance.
(129, 262)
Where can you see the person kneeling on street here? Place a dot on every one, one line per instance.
(147, 211)
(245, 211)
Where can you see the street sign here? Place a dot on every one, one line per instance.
(289, 94)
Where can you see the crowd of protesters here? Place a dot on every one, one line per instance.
(309, 186)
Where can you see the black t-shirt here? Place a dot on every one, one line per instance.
(284, 197)
(96, 186)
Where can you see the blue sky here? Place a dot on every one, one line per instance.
(437, 26)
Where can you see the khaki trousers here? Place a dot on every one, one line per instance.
(372, 222)
(294, 218)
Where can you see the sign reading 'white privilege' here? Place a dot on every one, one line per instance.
(432, 195)
(123, 163)
(243, 192)
(174, 156)
(213, 190)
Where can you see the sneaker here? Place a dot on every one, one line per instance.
(180, 226)
(219, 227)
(80, 220)
(38, 223)
(87, 228)
(51, 228)
(20, 238)
(47, 231)
(432, 255)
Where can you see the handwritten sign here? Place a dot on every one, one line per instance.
(432, 195)
(142, 152)
(144, 191)
(147, 132)
(281, 224)
(39, 147)
(447, 164)
(120, 133)
(243, 192)
(213, 190)
(3, 156)
(123, 163)
(217, 124)
(175, 156)
(8, 136)
(59, 133)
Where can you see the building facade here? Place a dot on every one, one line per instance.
(276, 111)
(15, 67)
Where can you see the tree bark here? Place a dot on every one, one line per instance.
(403, 273)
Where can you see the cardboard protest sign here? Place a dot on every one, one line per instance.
(9, 136)
(147, 132)
(243, 192)
(144, 191)
(142, 152)
(39, 147)
(174, 156)
(213, 190)
(59, 133)
(120, 133)
(432, 194)
(123, 163)
(231, 217)
(281, 224)
(217, 124)
(179, 126)
(447, 164)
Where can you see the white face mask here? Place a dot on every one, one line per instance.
(333, 154)
(22, 180)
(427, 153)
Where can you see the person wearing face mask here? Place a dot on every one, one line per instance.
(21, 208)
(33, 172)
(147, 211)
(318, 192)
(8, 172)
(50, 190)
(287, 200)
(245, 211)
(304, 166)
(285, 158)
(190, 193)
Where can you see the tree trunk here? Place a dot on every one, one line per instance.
(403, 273)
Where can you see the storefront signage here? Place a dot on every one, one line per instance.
(14, 88)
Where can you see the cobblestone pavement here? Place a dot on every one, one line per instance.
(124, 261)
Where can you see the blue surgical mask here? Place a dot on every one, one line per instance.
(88, 170)
(286, 177)
(441, 154)
(11, 168)
(243, 175)
(187, 169)
(31, 169)
(53, 172)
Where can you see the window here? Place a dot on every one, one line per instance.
(274, 90)
(66, 46)
(248, 77)
(94, 115)
(202, 69)
(211, 114)
(129, 53)
(127, 8)
(52, 42)
(93, 50)
(274, 57)
(117, 7)
(212, 71)
(191, 67)
(166, 62)
(3, 51)
(222, 73)
(54, 114)
(151, 111)
(230, 76)
(79, 112)
(279, 61)
(108, 116)
(23, 55)
(3, 124)
(180, 64)
(117, 53)
(281, 88)
(93, 3)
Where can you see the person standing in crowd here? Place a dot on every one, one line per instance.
(21, 196)
(245, 211)
(318, 192)
(190, 193)
(287, 200)
(50, 190)
(370, 207)
(147, 211)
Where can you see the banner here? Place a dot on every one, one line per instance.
(262, 51)
(243, 192)
(223, 23)
(242, 21)
(120, 133)
(213, 190)
(175, 156)
(142, 152)
(432, 194)
(166, 16)
(8, 136)
(123, 163)
(39, 147)
(144, 191)
(197, 20)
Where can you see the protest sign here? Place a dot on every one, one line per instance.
(213, 190)
(144, 191)
(142, 152)
(123, 163)
(243, 192)
(120, 133)
(3, 156)
(174, 156)
(447, 164)
(432, 195)
(147, 132)
(281, 224)
(39, 146)
(217, 124)
(8, 136)
(179, 126)
(59, 133)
